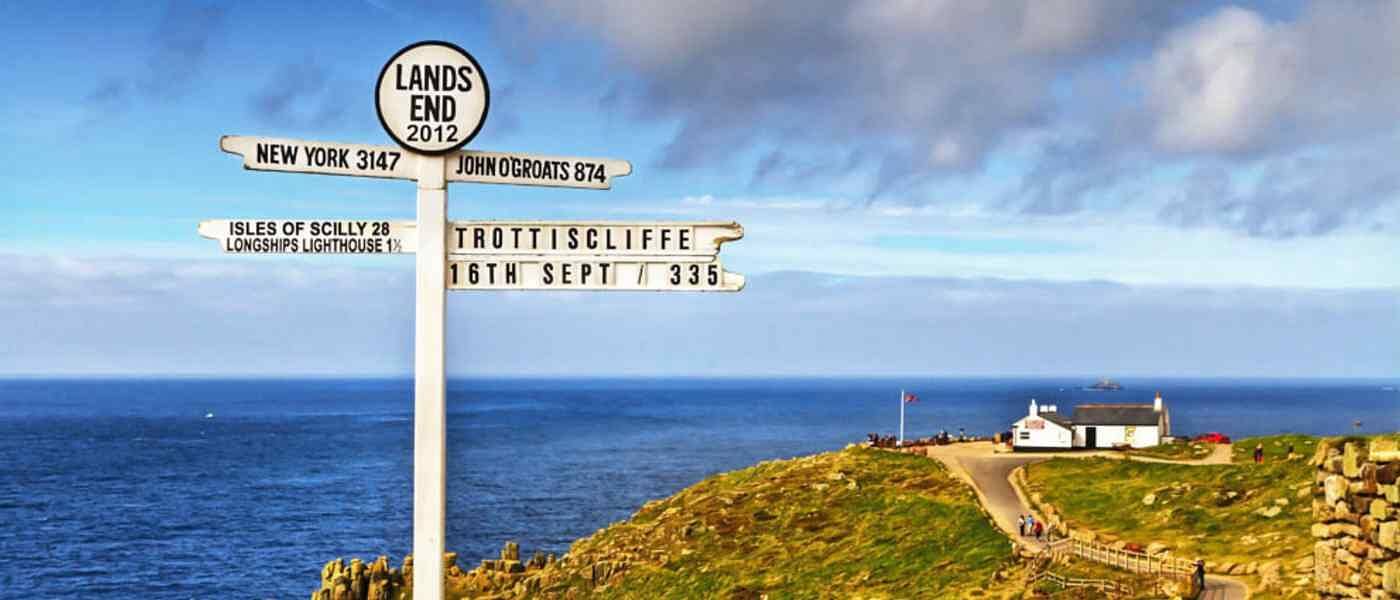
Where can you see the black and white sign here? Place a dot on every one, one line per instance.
(322, 158)
(321, 236)
(532, 169)
(596, 238)
(432, 97)
(595, 273)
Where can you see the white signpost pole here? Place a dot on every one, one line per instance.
(432, 98)
(429, 384)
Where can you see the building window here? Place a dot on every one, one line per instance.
(1025, 435)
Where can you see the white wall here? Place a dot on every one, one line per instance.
(1050, 436)
(1109, 435)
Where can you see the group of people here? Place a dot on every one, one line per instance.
(943, 438)
(1030, 527)
(881, 441)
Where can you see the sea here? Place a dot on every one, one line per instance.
(129, 488)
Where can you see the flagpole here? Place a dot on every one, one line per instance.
(901, 417)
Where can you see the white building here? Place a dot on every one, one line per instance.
(1092, 426)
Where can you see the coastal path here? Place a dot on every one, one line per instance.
(989, 473)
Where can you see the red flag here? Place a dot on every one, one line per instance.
(910, 398)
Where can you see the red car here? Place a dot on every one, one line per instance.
(1213, 437)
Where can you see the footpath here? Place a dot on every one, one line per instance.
(989, 473)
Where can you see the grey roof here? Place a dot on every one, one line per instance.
(1115, 414)
(1055, 418)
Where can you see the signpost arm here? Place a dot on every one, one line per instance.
(429, 384)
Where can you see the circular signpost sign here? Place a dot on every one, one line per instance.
(432, 97)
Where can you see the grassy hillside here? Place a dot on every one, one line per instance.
(1240, 513)
(854, 523)
(858, 523)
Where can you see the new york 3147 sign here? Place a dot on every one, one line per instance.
(432, 99)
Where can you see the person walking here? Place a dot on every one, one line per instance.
(1021, 524)
(1259, 454)
(1200, 574)
(1030, 524)
(1039, 530)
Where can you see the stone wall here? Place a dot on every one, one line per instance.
(1356, 519)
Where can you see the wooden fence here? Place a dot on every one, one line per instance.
(1127, 560)
(1102, 585)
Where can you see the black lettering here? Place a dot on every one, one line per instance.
(464, 79)
(416, 107)
(548, 273)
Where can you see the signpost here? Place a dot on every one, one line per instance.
(252, 236)
(432, 98)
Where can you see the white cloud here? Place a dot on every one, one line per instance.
(1236, 81)
(1223, 83)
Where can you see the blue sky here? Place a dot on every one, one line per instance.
(937, 188)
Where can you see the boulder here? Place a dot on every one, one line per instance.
(1353, 456)
(1156, 548)
(1390, 577)
(511, 551)
(1270, 575)
(1388, 536)
(1334, 489)
(1149, 499)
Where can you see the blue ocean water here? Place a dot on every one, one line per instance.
(121, 488)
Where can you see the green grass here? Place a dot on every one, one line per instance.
(800, 529)
(1209, 511)
(1275, 447)
(1179, 450)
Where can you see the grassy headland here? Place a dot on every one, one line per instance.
(855, 523)
(1236, 514)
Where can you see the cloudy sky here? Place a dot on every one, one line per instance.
(940, 188)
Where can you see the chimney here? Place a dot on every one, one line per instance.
(1034, 411)
(1157, 403)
